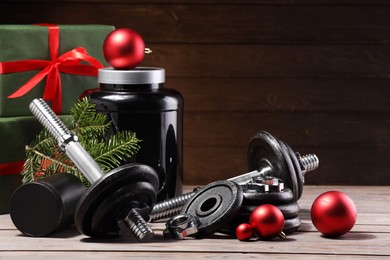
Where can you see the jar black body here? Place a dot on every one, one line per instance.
(155, 114)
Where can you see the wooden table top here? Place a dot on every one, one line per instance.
(370, 238)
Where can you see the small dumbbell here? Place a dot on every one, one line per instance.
(267, 153)
(123, 195)
(267, 156)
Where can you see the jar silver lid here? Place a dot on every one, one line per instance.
(138, 75)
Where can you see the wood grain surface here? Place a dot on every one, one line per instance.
(369, 238)
(313, 73)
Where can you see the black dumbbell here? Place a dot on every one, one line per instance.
(123, 195)
(275, 158)
(42, 207)
(267, 156)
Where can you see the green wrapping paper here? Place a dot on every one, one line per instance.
(8, 185)
(15, 133)
(29, 42)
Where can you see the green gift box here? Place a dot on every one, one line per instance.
(8, 185)
(32, 47)
(16, 133)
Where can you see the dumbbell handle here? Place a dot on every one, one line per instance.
(174, 205)
(67, 141)
(308, 162)
(264, 169)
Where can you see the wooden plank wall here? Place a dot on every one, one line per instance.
(314, 73)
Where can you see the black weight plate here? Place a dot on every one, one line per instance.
(263, 147)
(291, 177)
(215, 205)
(274, 198)
(118, 204)
(109, 183)
(290, 226)
(290, 210)
(298, 171)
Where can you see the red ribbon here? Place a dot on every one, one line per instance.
(11, 168)
(68, 62)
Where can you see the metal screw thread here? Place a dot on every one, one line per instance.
(309, 162)
(170, 207)
(49, 120)
(138, 226)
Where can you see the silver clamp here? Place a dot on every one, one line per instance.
(181, 226)
(264, 184)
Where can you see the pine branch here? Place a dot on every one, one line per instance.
(54, 163)
(29, 168)
(87, 122)
(82, 110)
(119, 147)
(43, 140)
(44, 158)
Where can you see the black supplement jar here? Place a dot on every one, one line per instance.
(136, 100)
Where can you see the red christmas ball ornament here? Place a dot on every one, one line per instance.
(124, 48)
(333, 213)
(244, 232)
(267, 221)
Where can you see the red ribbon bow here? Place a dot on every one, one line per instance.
(11, 168)
(68, 62)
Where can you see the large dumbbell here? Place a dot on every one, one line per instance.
(267, 156)
(123, 195)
